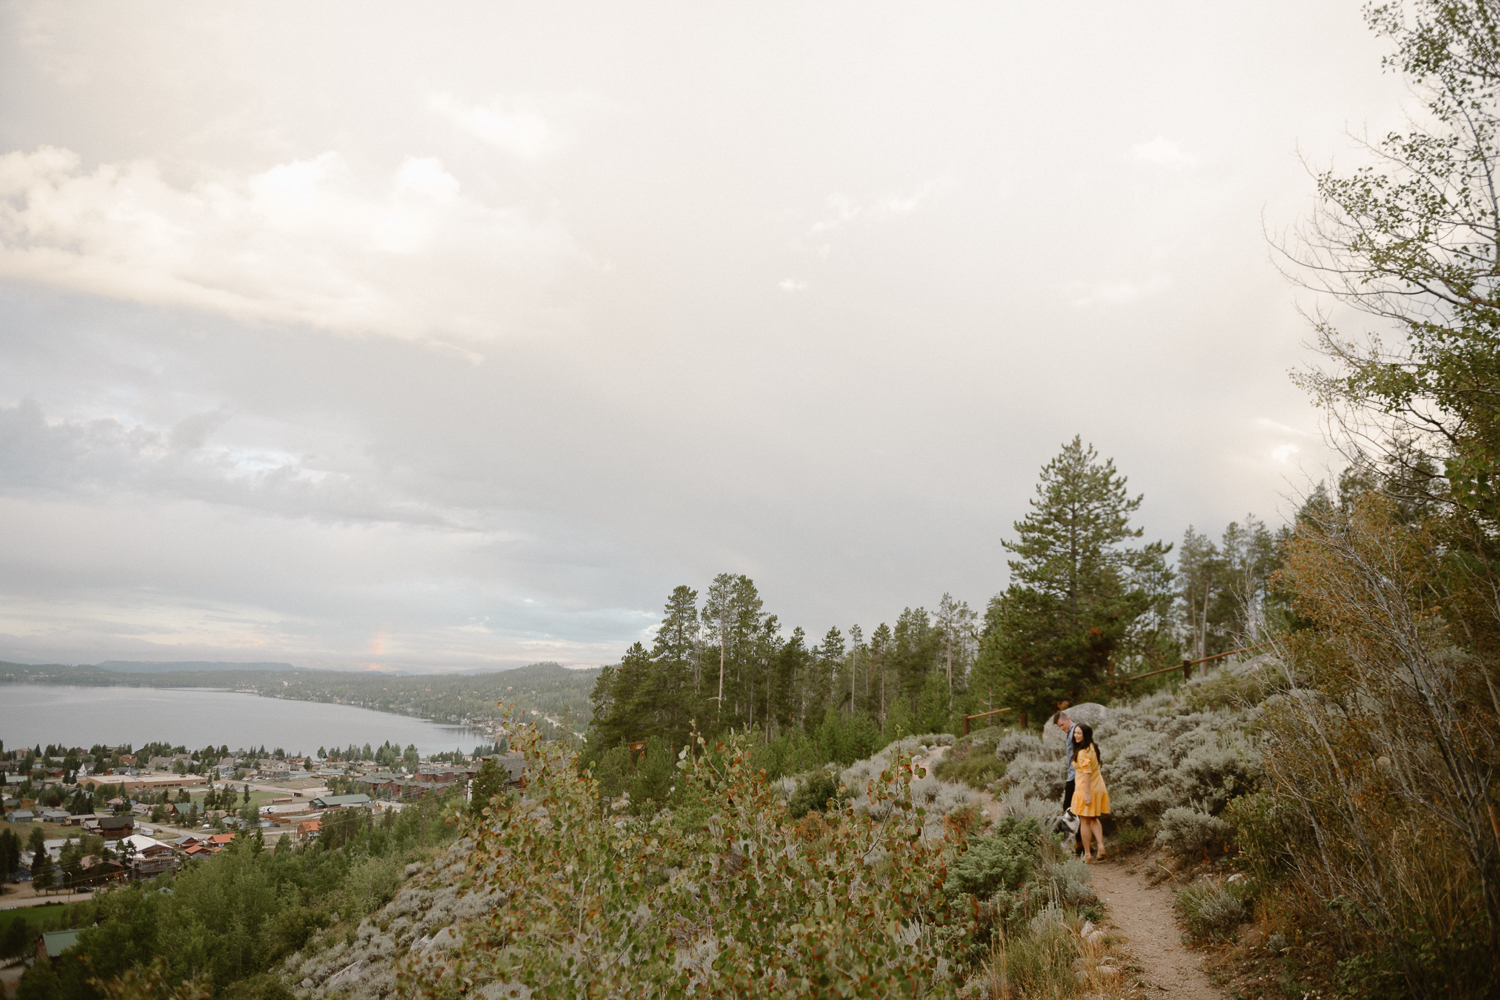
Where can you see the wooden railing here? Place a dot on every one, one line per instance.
(1186, 666)
(981, 715)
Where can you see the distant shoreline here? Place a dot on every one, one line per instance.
(558, 695)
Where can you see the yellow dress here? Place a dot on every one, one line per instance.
(1087, 776)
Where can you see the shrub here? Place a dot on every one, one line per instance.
(750, 905)
(977, 769)
(1068, 881)
(1133, 835)
(1038, 779)
(1041, 963)
(371, 883)
(1223, 689)
(998, 862)
(1266, 835)
(1013, 744)
(1210, 912)
(813, 794)
(1185, 831)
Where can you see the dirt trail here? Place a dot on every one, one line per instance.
(1142, 916)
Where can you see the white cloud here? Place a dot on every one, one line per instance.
(109, 457)
(1163, 152)
(307, 242)
(521, 132)
(791, 285)
(842, 209)
(1121, 291)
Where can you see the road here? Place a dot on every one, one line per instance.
(22, 896)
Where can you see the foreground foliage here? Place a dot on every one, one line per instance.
(721, 894)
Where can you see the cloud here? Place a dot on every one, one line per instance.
(306, 242)
(1121, 291)
(1163, 152)
(522, 133)
(106, 457)
(841, 209)
(791, 285)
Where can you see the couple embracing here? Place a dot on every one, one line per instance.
(1085, 797)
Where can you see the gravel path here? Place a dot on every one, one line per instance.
(1142, 916)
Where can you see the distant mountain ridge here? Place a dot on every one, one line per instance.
(182, 666)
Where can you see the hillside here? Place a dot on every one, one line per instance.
(979, 867)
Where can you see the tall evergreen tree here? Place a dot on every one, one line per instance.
(732, 623)
(1059, 627)
(677, 661)
(957, 636)
(914, 653)
(876, 672)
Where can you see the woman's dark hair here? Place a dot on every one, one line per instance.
(1088, 739)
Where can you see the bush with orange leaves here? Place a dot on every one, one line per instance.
(1379, 818)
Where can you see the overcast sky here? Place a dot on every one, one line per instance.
(436, 337)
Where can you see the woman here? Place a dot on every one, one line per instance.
(1090, 797)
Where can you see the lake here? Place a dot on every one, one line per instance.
(195, 718)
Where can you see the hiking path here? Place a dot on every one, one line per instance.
(1141, 916)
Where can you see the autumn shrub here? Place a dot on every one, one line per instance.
(1381, 765)
(738, 900)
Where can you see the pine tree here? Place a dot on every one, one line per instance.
(956, 639)
(677, 662)
(1074, 595)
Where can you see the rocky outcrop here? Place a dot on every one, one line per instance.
(424, 921)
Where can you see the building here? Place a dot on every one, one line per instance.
(112, 827)
(147, 783)
(94, 871)
(22, 816)
(52, 944)
(360, 801)
(514, 765)
(308, 830)
(148, 857)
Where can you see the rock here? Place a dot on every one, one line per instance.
(1086, 929)
(1253, 664)
(347, 976)
(442, 940)
(1251, 937)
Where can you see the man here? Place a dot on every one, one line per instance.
(1065, 723)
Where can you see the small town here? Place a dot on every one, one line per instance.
(79, 821)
